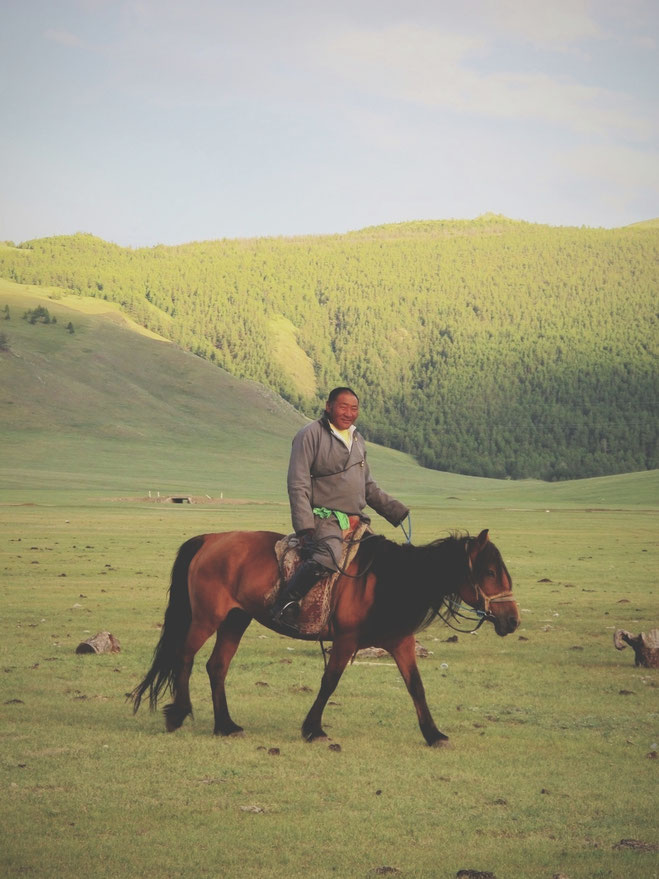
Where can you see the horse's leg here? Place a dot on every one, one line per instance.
(405, 656)
(178, 710)
(339, 657)
(228, 638)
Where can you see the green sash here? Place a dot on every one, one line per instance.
(342, 518)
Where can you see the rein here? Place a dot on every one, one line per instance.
(455, 610)
(408, 534)
(481, 614)
(350, 542)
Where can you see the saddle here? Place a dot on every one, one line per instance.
(317, 604)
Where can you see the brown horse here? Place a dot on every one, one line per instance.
(390, 591)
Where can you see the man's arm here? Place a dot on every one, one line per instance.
(303, 453)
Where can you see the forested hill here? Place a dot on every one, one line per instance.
(490, 347)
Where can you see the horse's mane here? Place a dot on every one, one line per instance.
(414, 584)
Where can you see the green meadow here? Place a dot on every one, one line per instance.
(554, 733)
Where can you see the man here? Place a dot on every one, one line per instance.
(328, 481)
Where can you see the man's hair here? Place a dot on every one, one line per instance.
(333, 394)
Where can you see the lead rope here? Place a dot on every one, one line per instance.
(455, 611)
(456, 608)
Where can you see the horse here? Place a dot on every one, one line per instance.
(220, 583)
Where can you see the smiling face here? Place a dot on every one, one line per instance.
(343, 410)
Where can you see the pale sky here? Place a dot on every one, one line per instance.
(168, 121)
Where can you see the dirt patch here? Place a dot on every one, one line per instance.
(636, 845)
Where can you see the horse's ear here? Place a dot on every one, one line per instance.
(482, 538)
(478, 544)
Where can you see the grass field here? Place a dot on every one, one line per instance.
(554, 732)
(552, 728)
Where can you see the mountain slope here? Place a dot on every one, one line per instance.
(492, 347)
(108, 399)
(109, 409)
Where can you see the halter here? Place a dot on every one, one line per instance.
(481, 614)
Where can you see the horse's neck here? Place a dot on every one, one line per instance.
(440, 566)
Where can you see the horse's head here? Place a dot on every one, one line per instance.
(489, 587)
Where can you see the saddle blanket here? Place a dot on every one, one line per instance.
(316, 606)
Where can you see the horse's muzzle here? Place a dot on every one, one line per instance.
(504, 623)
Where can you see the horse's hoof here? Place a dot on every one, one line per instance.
(319, 736)
(440, 743)
(174, 717)
(235, 730)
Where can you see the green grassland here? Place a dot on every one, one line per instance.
(552, 729)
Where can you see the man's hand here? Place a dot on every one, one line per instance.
(306, 542)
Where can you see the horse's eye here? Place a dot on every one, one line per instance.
(491, 572)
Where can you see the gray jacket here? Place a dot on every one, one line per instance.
(323, 473)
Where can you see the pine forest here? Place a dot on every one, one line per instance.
(489, 347)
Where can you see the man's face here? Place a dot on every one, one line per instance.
(343, 411)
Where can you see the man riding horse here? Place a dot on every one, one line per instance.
(221, 582)
(328, 482)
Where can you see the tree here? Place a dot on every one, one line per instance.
(39, 314)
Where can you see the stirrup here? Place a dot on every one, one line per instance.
(289, 614)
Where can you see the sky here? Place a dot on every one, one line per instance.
(169, 121)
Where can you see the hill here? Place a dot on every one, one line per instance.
(646, 224)
(112, 411)
(110, 407)
(490, 347)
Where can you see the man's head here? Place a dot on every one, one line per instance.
(342, 407)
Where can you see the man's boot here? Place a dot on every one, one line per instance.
(286, 608)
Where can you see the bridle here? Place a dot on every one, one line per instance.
(486, 600)
(477, 614)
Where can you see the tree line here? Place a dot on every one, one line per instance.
(489, 347)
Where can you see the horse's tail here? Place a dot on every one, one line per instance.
(167, 655)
